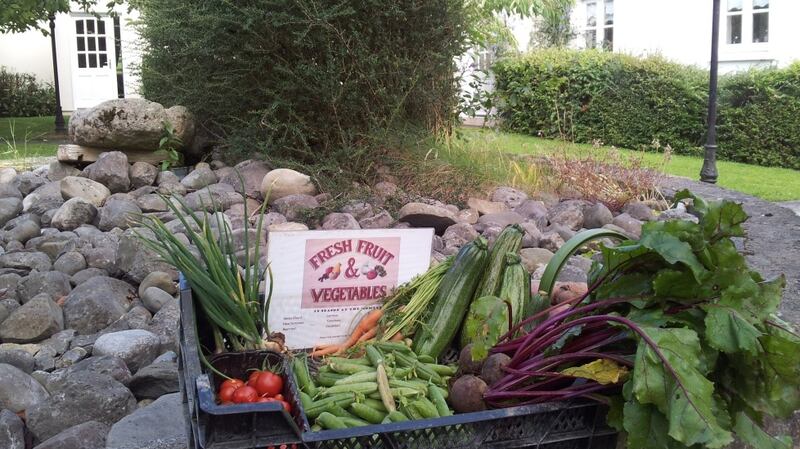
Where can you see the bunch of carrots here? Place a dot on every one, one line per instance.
(366, 330)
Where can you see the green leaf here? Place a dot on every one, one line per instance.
(677, 388)
(674, 251)
(647, 427)
(728, 331)
(669, 283)
(629, 285)
(752, 434)
(615, 417)
(723, 219)
(486, 322)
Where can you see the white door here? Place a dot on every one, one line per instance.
(94, 71)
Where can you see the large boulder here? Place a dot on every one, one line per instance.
(26, 261)
(79, 399)
(43, 198)
(111, 170)
(72, 214)
(12, 431)
(421, 215)
(52, 283)
(107, 365)
(135, 260)
(118, 213)
(36, 320)
(136, 347)
(96, 303)
(84, 188)
(128, 124)
(9, 208)
(160, 425)
(155, 380)
(88, 435)
(252, 171)
(214, 197)
(19, 391)
(283, 182)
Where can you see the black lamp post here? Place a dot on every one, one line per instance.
(59, 114)
(709, 172)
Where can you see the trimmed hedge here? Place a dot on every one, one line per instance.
(21, 95)
(630, 102)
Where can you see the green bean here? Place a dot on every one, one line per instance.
(329, 421)
(396, 416)
(354, 422)
(349, 368)
(435, 395)
(367, 413)
(366, 376)
(361, 387)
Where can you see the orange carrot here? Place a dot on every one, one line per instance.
(397, 337)
(368, 334)
(369, 321)
(325, 350)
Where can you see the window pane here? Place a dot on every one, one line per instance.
(79, 27)
(591, 14)
(82, 61)
(92, 60)
(591, 39)
(81, 43)
(101, 43)
(734, 5)
(90, 27)
(608, 39)
(734, 29)
(609, 12)
(101, 27)
(760, 4)
(761, 27)
(103, 60)
(91, 42)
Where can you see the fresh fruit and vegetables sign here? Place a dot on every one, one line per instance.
(324, 281)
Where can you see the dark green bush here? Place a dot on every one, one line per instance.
(760, 117)
(304, 78)
(21, 95)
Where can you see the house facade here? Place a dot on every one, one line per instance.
(97, 56)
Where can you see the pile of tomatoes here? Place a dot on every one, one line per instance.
(261, 386)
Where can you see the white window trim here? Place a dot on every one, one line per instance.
(600, 24)
(747, 44)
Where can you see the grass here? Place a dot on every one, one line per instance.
(768, 183)
(24, 140)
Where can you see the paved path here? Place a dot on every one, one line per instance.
(794, 206)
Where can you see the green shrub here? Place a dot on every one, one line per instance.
(21, 95)
(307, 77)
(760, 117)
(593, 95)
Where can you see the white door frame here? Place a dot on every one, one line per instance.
(92, 82)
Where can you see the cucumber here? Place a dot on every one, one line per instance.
(452, 300)
(516, 287)
(509, 241)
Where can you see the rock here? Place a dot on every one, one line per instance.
(135, 260)
(183, 123)
(59, 342)
(172, 188)
(165, 325)
(27, 182)
(501, 219)
(106, 365)
(283, 182)
(631, 225)
(12, 431)
(70, 263)
(487, 207)
(136, 347)
(270, 219)
(551, 241)
(155, 380)
(97, 303)
(569, 213)
(678, 213)
(44, 198)
(111, 170)
(36, 320)
(125, 124)
(71, 357)
(79, 399)
(531, 236)
(151, 203)
(338, 220)
(639, 211)
(9, 208)
(199, 178)
(511, 197)
(17, 358)
(26, 261)
(118, 214)
(22, 231)
(59, 170)
(7, 175)
(221, 195)
(74, 213)
(53, 244)
(161, 280)
(159, 425)
(294, 206)
(19, 391)
(596, 216)
(458, 235)
(421, 215)
(142, 174)
(378, 221)
(287, 226)
(154, 298)
(253, 172)
(51, 283)
(565, 232)
(9, 190)
(84, 275)
(88, 435)
(85, 189)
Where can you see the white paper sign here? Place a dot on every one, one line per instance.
(324, 281)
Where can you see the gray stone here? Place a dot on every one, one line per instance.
(511, 197)
(283, 182)
(564, 231)
(52, 283)
(118, 214)
(421, 215)
(151, 203)
(214, 197)
(9, 190)
(160, 280)
(159, 425)
(168, 356)
(9, 281)
(551, 241)
(469, 216)
(490, 233)
(142, 174)
(154, 298)
(79, 399)
(358, 209)
(97, 303)
(183, 124)
(27, 182)
(73, 213)
(569, 213)
(8, 175)
(103, 257)
(596, 216)
(458, 235)
(59, 170)
(532, 235)
(293, 206)
(17, 358)
(487, 207)
(111, 366)
(46, 197)
(53, 244)
(381, 220)
(339, 220)
(71, 357)
(70, 263)
(88, 435)
(165, 325)
(252, 171)
(639, 211)
(167, 177)
(12, 431)
(26, 261)
(572, 273)
(85, 189)
(23, 231)
(36, 320)
(111, 170)
(136, 318)
(59, 342)
(9, 208)
(136, 347)
(155, 380)
(677, 213)
(172, 188)
(18, 390)
(533, 210)
(631, 225)
(135, 260)
(270, 219)
(501, 219)
(84, 275)
(199, 178)
(287, 226)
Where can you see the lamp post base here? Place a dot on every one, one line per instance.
(709, 172)
(60, 124)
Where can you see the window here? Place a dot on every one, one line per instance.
(90, 36)
(747, 21)
(599, 31)
(760, 21)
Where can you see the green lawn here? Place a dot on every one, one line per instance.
(22, 138)
(769, 183)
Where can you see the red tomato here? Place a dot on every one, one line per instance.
(245, 395)
(232, 382)
(286, 406)
(254, 375)
(226, 392)
(279, 397)
(269, 384)
(263, 399)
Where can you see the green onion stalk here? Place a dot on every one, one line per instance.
(228, 295)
